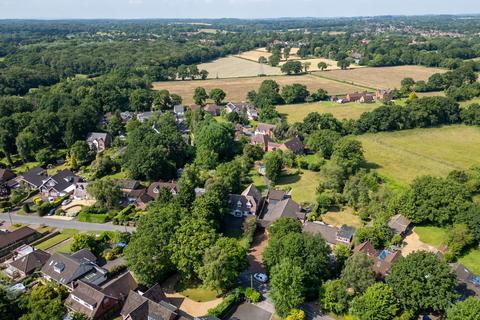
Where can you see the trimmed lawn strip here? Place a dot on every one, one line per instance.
(340, 218)
(195, 291)
(303, 185)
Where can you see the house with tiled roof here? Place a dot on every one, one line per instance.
(153, 304)
(249, 202)
(20, 267)
(399, 224)
(294, 145)
(332, 235)
(65, 268)
(10, 240)
(33, 178)
(96, 302)
(265, 141)
(99, 141)
(60, 184)
(265, 129)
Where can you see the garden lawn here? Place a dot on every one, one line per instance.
(64, 248)
(433, 236)
(196, 292)
(340, 218)
(64, 235)
(472, 261)
(402, 156)
(297, 112)
(303, 185)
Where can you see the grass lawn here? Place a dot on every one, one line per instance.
(472, 261)
(433, 236)
(342, 217)
(64, 248)
(257, 180)
(196, 292)
(297, 112)
(402, 156)
(64, 235)
(303, 185)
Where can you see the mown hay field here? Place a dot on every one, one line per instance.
(237, 88)
(254, 54)
(381, 77)
(297, 112)
(233, 67)
(402, 156)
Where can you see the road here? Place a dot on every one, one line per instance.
(64, 224)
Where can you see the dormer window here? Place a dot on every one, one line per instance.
(239, 204)
(59, 267)
(156, 190)
(249, 205)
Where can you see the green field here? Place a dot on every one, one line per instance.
(472, 261)
(403, 155)
(434, 236)
(297, 112)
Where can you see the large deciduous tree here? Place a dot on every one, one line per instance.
(468, 309)
(222, 264)
(287, 289)
(421, 281)
(148, 253)
(377, 303)
(358, 273)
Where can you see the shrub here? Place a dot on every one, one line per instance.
(44, 208)
(38, 201)
(58, 212)
(92, 217)
(253, 295)
(314, 166)
(26, 208)
(230, 299)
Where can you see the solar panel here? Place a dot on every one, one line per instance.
(476, 280)
(383, 254)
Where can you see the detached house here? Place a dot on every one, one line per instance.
(247, 203)
(399, 224)
(243, 107)
(6, 175)
(59, 185)
(10, 240)
(154, 188)
(33, 178)
(23, 266)
(331, 234)
(294, 145)
(66, 268)
(382, 261)
(265, 129)
(99, 141)
(280, 209)
(384, 95)
(99, 302)
(153, 304)
(265, 142)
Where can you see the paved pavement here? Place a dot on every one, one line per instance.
(63, 224)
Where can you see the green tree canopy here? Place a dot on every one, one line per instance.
(421, 281)
(287, 289)
(217, 95)
(468, 309)
(222, 264)
(148, 253)
(284, 226)
(358, 273)
(377, 303)
(323, 141)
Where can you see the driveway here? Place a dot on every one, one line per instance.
(63, 224)
(413, 243)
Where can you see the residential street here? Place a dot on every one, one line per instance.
(63, 224)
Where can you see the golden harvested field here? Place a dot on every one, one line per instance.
(257, 53)
(382, 77)
(233, 67)
(297, 112)
(332, 64)
(237, 88)
(403, 155)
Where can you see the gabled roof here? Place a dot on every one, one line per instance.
(262, 139)
(127, 184)
(295, 145)
(92, 136)
(31, 262)
(276, 195)
(63, 180)
(66, 268)
(366, 248)
(399, 223)
(121, 286)
(98, 302)
(35, 176)
(178, 108)
(327, 232)
(6, 174)
(8, 238)
(141, 307)
(265, 127)
(346, 232)
(253, 192)
(284, 208)
(155, 187)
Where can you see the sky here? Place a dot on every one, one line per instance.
(250, 9)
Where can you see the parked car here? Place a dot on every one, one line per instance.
(52, 212)
(66, 201)
(260, 277)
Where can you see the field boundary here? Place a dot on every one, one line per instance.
(342, 81)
